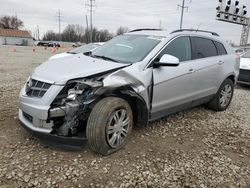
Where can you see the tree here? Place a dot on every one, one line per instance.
(121, 30)
(50, 35)
(10, 22)
(73, 33)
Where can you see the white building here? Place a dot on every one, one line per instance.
(15, 37)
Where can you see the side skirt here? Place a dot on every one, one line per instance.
(185, 106)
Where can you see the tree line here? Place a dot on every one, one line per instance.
(77, 33)
(71, 33)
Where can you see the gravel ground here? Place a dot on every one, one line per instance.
(194, 148)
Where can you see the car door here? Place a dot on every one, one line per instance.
(173, 85)
(207, 67)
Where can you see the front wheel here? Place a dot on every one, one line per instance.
(223, 97)
(109, 125)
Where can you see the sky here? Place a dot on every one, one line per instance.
(110, 14)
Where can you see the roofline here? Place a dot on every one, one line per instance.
(145, 29)
(17, 37)
(195, 30)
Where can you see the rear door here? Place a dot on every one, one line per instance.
(207, 67)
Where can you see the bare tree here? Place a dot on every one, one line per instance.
(73, 33)
(10, 22)
(121, 30)
(76, 33)
(50, 35)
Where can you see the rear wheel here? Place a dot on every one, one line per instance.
(223, 97)
(109, 125)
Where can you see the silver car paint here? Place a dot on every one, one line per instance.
(59, 71)
(172, 85)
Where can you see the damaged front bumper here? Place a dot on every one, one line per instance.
(45, 135)
(34, 114)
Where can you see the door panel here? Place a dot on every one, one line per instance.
(207, 67)
(172, 86)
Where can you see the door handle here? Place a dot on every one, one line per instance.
(220, 62)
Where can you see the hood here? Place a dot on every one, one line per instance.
(60, 55)
(245, 63)
(61, 70)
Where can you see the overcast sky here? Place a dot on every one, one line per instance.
(110, 14)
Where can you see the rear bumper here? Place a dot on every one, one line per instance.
(244, 77)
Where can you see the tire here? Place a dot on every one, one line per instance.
(110, 117)
(217, 103)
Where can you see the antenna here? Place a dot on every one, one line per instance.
(199, 26)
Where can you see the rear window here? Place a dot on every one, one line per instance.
(220, 47)
(203, 48)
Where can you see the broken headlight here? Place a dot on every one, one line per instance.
(83, 86)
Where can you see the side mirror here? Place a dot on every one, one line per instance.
(168, 60)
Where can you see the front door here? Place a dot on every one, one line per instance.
(173, 85)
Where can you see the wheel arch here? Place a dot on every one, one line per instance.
(232, 77)
(136, 102)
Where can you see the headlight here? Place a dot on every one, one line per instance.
(72, 94)
(82, 86)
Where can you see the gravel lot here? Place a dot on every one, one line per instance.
(195, 148)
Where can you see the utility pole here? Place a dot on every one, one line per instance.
(87, 24)
(38, 33)
(59, 16)
(182, 12)
(160, 23)
(91, 6)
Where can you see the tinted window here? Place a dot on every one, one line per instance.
(203, 48)
(221, 49)
(180, 48)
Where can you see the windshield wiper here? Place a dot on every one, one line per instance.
(106, 58)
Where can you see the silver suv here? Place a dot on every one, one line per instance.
(133, 79)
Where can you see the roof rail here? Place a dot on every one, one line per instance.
(195, 30)
(145, 29)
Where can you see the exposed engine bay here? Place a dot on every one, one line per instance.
(71, 108)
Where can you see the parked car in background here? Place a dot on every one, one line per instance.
(77, 44)
(133, 79)
(54, 44)
(241, 51)
(82, 49)
(244, 76)
(48, 43)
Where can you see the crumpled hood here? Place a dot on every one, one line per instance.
(61, 70)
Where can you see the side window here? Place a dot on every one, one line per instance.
(203, 48)
(180, 48)
(220, 47)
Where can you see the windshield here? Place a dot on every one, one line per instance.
(83, 49)
(127, 48)
(246, 55)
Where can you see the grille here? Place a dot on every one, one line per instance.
(244, 75)
(36, 88)
(28, 117)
